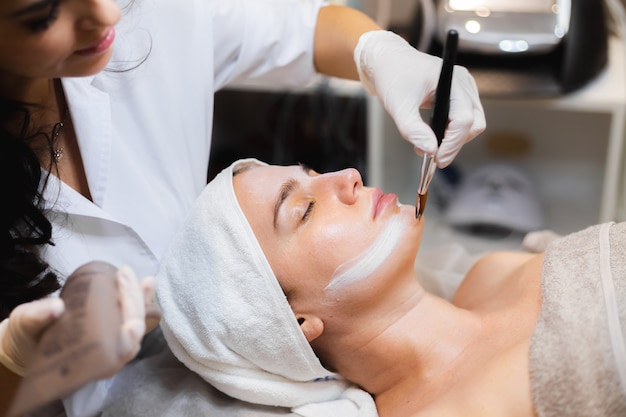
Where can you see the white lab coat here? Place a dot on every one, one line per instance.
(145, 134)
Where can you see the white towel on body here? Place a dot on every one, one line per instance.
(226, 318)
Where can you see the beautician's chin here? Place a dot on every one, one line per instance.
(95, 57)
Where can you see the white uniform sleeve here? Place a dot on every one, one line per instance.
(265, 41)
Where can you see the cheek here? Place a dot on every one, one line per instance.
(367, 263)
(337, 243)
(48, 54)
(312, 258)
(32, 59)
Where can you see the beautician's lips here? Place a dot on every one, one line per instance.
(381, 201)
(100, 46)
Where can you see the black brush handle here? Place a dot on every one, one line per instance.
(441, 107)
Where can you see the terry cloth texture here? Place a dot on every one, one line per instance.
(227, 319)
(577, 352)
(156, 384)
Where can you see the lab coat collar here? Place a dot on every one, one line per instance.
(90, 108)
(61, 198)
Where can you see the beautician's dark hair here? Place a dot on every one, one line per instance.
(24, 228)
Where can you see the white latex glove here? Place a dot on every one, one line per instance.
(20, 333)
(133, 308)
(405, 80)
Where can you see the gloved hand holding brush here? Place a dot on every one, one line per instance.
(405, 80)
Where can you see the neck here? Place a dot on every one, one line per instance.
(420, 344)
(33, 91)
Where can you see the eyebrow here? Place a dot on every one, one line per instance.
(35, 7)
(285, 191)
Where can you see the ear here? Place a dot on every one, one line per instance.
(311, 326)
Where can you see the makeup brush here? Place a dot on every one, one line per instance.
(438, 118)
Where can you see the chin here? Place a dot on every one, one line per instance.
(408, 214)
(413, 229)
(90, 65)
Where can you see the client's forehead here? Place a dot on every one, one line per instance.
(256, 178)
(261, 191)
(257, 186)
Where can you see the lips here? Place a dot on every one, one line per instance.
(381, 201)
(101, 45)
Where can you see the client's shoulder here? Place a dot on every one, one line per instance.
(499, 274)
(501, 263)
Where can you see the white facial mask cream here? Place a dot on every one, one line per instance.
(365, 264)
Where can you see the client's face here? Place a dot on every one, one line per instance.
(328, 231)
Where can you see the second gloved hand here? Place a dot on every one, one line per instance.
(405, 80)
(21, 331)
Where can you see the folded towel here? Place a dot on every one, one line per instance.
(156, 384)
(577, 352)
(353, 402)
(226, 317)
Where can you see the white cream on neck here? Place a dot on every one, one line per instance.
(365, 264)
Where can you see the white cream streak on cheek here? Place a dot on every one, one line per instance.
(364, 265)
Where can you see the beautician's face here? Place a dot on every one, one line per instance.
(309, 224)
(55, 38)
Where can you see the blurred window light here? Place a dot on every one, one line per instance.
(472, 26)
(513, 46)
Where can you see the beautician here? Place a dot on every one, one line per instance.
(105, 164)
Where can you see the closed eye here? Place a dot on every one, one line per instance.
(308, 211)
(40, 23)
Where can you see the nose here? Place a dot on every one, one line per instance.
(97, 14)
(345, 184)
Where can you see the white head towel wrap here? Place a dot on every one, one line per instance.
(226, 318)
